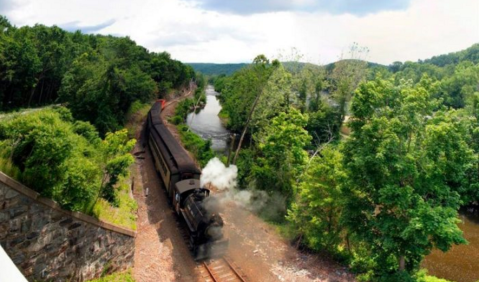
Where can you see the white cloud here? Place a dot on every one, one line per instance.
(191, 34)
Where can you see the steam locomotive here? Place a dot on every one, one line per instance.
(180, 177)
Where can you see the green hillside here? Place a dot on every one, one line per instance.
(216, 69)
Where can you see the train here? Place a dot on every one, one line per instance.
(181, 179)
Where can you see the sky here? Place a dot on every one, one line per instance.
(232, 31)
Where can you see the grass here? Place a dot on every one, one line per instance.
(125, 214)
(135, 116)
(7, 167)
(125, 276)
(429, 278)
(224, 117)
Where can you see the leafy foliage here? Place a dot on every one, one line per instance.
(317, 211)
(404, 164)
(62, 159)
(200, 148)
(282, 157)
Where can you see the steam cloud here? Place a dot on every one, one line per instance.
(225, 179)
(222, 177)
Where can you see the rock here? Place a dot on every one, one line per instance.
(16, 241)
(11, 194)
(4, 216)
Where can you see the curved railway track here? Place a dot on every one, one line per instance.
(221, 269)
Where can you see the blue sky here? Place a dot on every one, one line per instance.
(355, 7)
(221, 31)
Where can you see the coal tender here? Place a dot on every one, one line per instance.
(180, 177)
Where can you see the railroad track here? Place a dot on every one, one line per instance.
(221, 269)
(217, 269)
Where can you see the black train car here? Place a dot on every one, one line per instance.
(181, 179)
(171, 160)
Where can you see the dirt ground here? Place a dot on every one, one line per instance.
(162, 255)
(264, 256)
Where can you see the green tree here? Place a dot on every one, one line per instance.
(261, 71)
(315, 215)
(282, 157)
(405, 166)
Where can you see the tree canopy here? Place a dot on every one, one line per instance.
(97, 76)
(373, 162)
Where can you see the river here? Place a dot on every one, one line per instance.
(207, 124)
(460, 264)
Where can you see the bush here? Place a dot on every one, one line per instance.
(62, 159)
(124, 214)
(200, 148)
(177, 120)
(49, 156)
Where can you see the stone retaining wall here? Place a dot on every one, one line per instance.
(50, 244)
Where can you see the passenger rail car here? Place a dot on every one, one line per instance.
(180, 177)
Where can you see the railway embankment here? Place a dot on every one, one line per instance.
(48, 243)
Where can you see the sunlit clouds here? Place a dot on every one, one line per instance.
(237, 31)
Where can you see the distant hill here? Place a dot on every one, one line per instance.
(216, 69)
(330, 67)
(454, 58)
(228, 69)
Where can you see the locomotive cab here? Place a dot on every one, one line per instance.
(201, 214)
(185, 188)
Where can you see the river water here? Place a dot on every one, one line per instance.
(460, 264)
(207, 124)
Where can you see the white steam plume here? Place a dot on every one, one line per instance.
(225, 179)
(220, 176)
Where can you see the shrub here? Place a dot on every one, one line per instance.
(62, 159)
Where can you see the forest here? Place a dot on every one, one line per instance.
(373, 162)
(64, 100)
(98, 77)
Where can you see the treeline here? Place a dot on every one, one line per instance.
(373, 162)
(97, 77)
(216, 69)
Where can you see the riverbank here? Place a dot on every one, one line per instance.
(207, 123)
